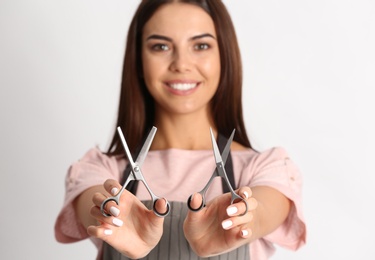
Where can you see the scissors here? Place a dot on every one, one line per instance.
(136, 173)
(220, 161)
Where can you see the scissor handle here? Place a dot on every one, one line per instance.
(157, 213)
(235, 196)
(102, 206)
(202, 193)
(153, 196)
(201, 206)
(115, 198)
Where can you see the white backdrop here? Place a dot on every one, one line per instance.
(309, 83)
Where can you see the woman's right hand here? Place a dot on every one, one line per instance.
(132, 229)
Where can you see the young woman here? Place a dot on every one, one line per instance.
(182, 73)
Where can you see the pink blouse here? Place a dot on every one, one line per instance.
(176, 174)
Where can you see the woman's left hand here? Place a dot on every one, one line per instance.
(220, 226)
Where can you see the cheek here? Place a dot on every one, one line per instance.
(212, 70)
(145, 66)
(149, 73)
(153, 67)
(147, 62)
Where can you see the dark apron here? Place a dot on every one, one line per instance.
(173, 244)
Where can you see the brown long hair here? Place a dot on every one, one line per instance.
(136, 107)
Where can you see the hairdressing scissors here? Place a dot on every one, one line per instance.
(136, 173)
(220, 161)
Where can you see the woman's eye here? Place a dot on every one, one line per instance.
(160, 47)
(202, 46)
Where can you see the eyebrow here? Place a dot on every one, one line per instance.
(165, 38)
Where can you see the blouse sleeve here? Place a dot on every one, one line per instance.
(274, 168)
(93, 169)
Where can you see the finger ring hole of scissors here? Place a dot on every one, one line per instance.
(236, 200)
(161, 214)
(197, 209)
(102, 207)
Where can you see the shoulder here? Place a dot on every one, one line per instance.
(94, 154)
(95, 159)
(237, 147)
(273, 153)
(255, 162)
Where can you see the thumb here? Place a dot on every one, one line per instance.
(161, 208)
(196, 205)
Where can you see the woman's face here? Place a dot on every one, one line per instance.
(180, 57)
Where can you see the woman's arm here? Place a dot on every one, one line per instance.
(221, 227)
(272, 210)
(132, 229)
(83, 204)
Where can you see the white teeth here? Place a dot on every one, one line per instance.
(183, 86)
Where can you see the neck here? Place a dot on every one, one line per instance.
(188, 132)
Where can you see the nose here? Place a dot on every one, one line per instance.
(181, 61)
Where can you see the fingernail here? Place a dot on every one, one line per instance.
(246, 194)
(114, 211)
(108, 232)
(114, 191)
(226, 224)
(231, 211)
(118, 222)
(245, 233)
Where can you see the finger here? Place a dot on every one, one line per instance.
(98, 198)
(240, 208)
(99, 232)
(112, 221)
(195, 202)
(244, 192)
(252, 204)
(236, 221)
(110, 207)
(196, 206)
(161, 207)
(246, 232)
(112, 186)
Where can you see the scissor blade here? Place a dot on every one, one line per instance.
(224, 156)
(226, 150)
(146, 146)
(217, 155)
(127, 151)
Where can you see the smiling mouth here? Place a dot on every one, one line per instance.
(183, 86)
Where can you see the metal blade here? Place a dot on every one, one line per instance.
(128, 154)
(224, 156)
(146, 146)
(217, 155)
(226, 150)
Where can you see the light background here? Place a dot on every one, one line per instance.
(309, 87)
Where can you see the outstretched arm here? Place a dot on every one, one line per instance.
(132, 229)
(221, 227)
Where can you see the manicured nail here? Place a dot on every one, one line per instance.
(114, 211)
(245, 233)
(108, 232)
(226, 224)
(114, 191)
(246, 194)
(231, 211)
(118, 222)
